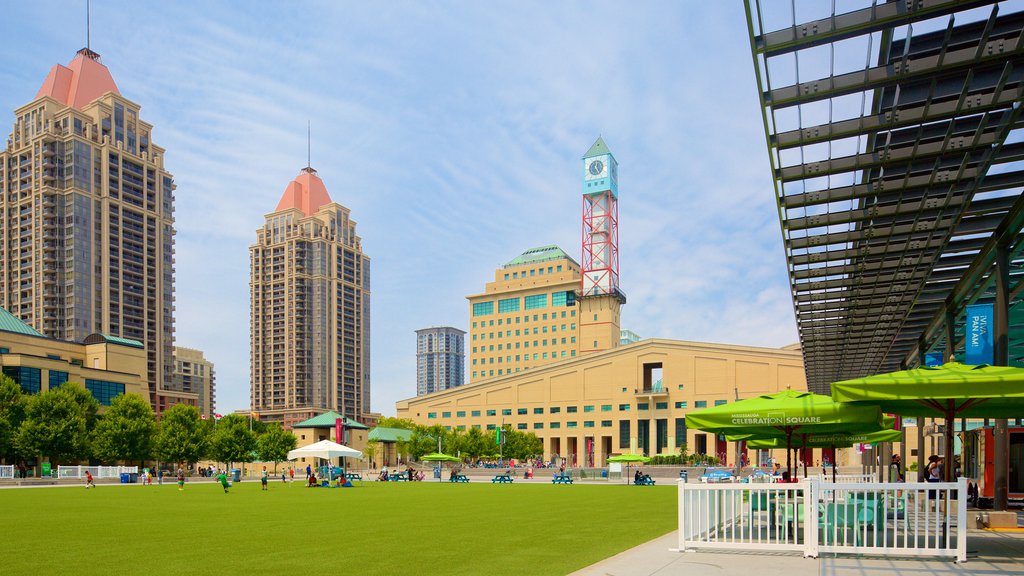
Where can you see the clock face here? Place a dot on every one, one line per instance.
(596, 168)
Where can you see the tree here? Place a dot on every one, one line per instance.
(232, 440)
(12, 412)
(371, 451)
(404, 423)
(126, 431)
(181, 436)
(57, 424)
(274, 445)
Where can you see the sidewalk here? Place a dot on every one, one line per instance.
(990, 554)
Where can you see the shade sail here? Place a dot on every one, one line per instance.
(629, 458)
(970, 391)
(325, 449)
(784, 413)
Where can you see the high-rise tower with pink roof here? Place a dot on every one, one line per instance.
(310, 309)
(87, 220)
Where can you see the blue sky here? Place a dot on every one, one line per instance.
(453, 131)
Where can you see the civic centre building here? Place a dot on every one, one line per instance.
(628, 399)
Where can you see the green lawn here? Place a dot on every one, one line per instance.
(374, 528)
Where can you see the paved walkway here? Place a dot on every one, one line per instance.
(990, 554)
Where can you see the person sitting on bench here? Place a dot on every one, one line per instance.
(637, 477)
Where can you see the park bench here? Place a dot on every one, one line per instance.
(459, 478)
(561, 479)
(502, 479)
(644, 481)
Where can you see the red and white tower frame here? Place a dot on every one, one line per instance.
(600, 244)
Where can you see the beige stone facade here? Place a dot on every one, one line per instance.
(526, 317)
(630, 399)
(87, 220)
(194, 374)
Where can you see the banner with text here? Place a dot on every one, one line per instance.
(978, 334)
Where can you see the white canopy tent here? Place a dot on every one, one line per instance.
(325, 449)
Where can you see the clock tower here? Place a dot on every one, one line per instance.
(600, 297)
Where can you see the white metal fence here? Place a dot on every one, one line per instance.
(6, 472)
(97, 471)
(913, 519)
(847, 478)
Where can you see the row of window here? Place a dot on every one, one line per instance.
(526, 357)
(540, 425)
(570, 409)
(526, 332)
(533, 272)
(525, 319)
(535, 302)
(30, 380)
(523, 357)
(525, 344)
(624, 429)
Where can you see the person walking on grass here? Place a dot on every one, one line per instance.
(181, 478)
(223, 479)
(88, 480)
(263, 478)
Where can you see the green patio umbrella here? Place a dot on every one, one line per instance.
(833, 441)
(952, 391)
(784, 414)
(825, 440)
(439, 457)
(629, 459)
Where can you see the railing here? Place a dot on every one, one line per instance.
(847, 478)
(6, 472)
(97, 471)
(894, 519)
(912, 519)
(741, 516)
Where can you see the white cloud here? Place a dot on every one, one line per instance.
(453, 132)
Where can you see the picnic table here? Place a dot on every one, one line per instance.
(353, 476)
(561, 479)
(399, 477)
(502, 479)
(644, 481)
(459, 478)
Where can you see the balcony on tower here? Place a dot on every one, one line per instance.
(653, 385)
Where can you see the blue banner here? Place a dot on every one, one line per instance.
(978, 334)
(934, 358)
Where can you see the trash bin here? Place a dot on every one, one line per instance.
(125, 478)
(604, 473)
(684, 475)
(133, 478)
(236, 475)
(437, 471)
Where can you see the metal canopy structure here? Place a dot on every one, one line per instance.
(897, 150)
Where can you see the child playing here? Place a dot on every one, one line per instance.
(223, 479)
(88, 480)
